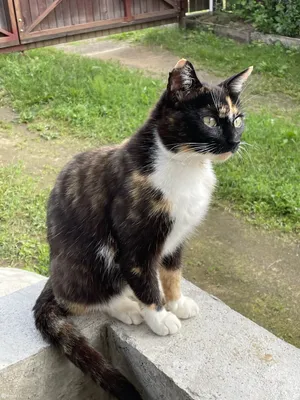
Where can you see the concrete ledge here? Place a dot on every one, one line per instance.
(272, 39)
(218, 355)
(220, 30)
(241, 35)
(13, 279)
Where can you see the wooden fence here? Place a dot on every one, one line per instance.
(33, 23)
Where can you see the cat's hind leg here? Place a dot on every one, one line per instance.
(124, 308)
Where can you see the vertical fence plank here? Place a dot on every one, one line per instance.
(96, 10)
(89, 10)
(104, 9)
(59, 16)
(51, 19)
(4, 16)
(66, 12)
(42, 5)
(74, 12)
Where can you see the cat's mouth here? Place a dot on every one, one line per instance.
(211, 153)
(223, 156)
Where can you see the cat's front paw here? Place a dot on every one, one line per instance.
(162, 322)
(183, 308)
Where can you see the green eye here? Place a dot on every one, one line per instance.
(210, 121)
(238, 122)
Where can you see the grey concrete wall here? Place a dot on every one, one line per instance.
(217, 355)
(243, 35)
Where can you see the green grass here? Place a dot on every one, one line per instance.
(276, 68)
(22, 220)
(264, 184)
(86, 97)
(103, 102)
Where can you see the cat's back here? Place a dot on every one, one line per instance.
(85, 173)
(82, 191)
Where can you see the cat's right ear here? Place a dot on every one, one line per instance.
(183, 80)
(235, 84)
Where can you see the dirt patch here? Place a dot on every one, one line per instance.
(156, 63)
(40, 157)
(253, 271)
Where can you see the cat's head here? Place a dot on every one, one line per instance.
(199, 118)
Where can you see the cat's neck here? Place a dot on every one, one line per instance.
(184, 160)
(147, 149)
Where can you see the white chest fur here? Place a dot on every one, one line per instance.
(187, 182)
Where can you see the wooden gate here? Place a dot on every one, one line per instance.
(8, 27)
(33, 23)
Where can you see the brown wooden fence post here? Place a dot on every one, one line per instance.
(182, 10)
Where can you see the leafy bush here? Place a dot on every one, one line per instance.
(271, 16)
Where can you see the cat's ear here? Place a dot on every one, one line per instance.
(183, 79)
(236, 82)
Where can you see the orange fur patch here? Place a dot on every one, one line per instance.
(232, 108)
(136, 271)
(171, 283)
(76, 308)
(181, 63)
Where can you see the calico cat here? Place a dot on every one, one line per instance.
(118, 218)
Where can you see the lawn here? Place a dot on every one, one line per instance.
(276, 68)
(103, 102)
(22, 233)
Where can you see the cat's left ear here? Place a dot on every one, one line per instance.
(183, 79)
(236, 82)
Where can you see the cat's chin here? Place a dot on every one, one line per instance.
(220, 158)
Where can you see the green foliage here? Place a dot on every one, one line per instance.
(271, 16)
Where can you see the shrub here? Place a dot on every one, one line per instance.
(271, 16)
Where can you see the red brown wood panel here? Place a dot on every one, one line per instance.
(89, 10)
(81, 11)
(4, 16)
(74, 12)
(96, 10)
(8, 27)
(59, 15)
(51, 19)
(103, 9)
(24, 14)
(42, 5)
(118, 8)
(110, 9)
(135, 7)
(66, 9)
(34, 11)
(43, 20)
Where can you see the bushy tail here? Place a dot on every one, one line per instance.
(51, 321)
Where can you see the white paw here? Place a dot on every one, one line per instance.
(184, 307)
(161, 322)
(127, 311)
(131, 318)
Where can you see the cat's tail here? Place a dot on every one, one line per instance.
(51, 320)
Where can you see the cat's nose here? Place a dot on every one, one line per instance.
(234, 145)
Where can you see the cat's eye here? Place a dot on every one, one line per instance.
(238, 122)
(210, 121)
